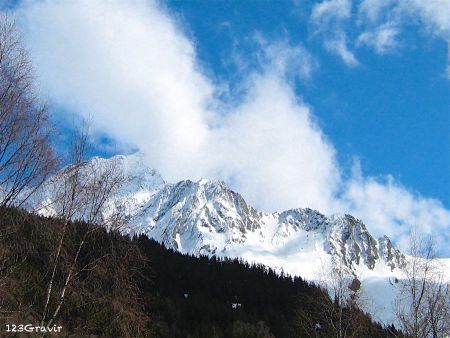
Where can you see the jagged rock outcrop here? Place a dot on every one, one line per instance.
(207, 217)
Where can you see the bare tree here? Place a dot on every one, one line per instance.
(338, 305)
(26, 155)
(84, 190)
(346, 292)
(422, 306)
(438, 307)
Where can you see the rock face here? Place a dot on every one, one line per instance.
(206, 217)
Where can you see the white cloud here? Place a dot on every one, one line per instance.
(377, 24)
(373, 10)
(392, 209)
(126, 65)
(274, 152)
(129, 66)
(132, 70)
(329, 18)
(383, 38)
(329, 12)
(339, 46)
(435, 14)
(382, 20)
(287, 61)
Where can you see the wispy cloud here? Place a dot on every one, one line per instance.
(331, 12)
(130, 67)
(434, 16)
(383, 38)
(395, 210)
(373, 11)
(377, 24)
(286, 60)
(329, 18)
(339, 45)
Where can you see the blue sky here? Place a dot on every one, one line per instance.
(338, 105)
(392, 111)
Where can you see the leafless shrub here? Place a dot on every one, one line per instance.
(423, 305)
(26, 155)
(338, 304)
(83, 190)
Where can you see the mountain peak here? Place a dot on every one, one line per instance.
(207, 217)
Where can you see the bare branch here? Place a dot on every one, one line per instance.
(26, 155)
(422, 306)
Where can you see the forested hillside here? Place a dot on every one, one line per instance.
(135, 287)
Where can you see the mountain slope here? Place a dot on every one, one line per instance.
(138, 288)
(208, 218)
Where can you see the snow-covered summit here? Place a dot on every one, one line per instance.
(207, 217)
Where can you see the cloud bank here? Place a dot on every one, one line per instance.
(377, 24)
(130, 67)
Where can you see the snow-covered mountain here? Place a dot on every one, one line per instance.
(207, 217)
